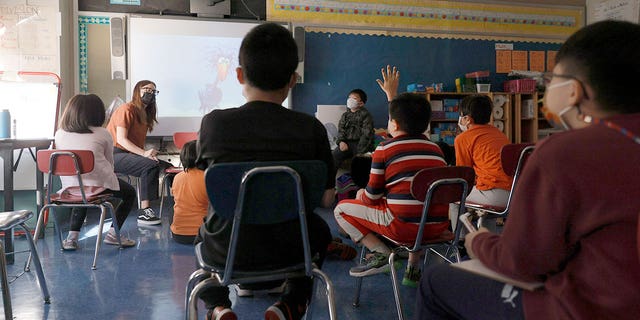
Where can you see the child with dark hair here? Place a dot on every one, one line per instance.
(573, 220)
(190, 197)
(264, 130)
(381, 207)
(479, 146)
(355, 129)
(81, 128)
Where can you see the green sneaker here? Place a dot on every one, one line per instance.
(376, 263)
(411, 276)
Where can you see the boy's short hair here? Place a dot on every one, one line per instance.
(411, 111)
(360, 93)
(268, 57)
(605, 56)
(478, 107)
(188, 155)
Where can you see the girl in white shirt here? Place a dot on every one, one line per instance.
(80, 128)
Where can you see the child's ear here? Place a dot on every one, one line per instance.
(239, 75)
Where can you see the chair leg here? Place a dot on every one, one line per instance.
(192, 305)
(329, 289)
(6, 295)
(196, 277)
(36, 261)
(114, 221)
(103, 213)
(163, 186)
(138, 192)
(39, 227)
(394, 284)
(356, 300)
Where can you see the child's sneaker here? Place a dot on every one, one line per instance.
(70, 244)
(411, 276)
(113, 240)
(282, 311)
(224, 314)
(374, 264)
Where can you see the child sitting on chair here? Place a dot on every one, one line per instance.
(386, 206)
(81, 129)
(190, 197)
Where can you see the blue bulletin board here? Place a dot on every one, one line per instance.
(335, 63)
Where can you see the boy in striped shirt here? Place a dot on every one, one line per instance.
(386, 205)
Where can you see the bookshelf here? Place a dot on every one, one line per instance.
(444, 106)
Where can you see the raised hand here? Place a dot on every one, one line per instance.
(390, 81)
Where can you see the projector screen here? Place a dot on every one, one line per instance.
(193, 64)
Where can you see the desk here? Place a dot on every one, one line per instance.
(6, 153)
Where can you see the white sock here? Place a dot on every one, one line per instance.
(73, 235)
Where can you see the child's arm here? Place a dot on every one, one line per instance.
(375, 189)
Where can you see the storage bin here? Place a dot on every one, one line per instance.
(481, 87)
(520, 86)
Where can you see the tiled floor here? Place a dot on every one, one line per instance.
(148, 281)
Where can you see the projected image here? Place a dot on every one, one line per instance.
(211, 95)
(193, 74)
(192, 62)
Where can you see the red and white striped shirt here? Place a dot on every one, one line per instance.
(394, 163)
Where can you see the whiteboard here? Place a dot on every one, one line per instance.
(32, 100)
(191, 61)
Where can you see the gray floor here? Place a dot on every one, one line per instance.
(147, 281)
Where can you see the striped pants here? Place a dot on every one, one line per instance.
(358, 219)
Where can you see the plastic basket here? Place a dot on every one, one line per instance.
(520, 86)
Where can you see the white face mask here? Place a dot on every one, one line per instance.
(352, 103)
(556, 119)
(463, 127)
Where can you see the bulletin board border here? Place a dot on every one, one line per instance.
(435, 18)
(83, 63)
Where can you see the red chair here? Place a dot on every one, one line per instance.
(179, 139)
(513, 158)
(56, 162)
(432, 186)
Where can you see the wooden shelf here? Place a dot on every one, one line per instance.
(505, 122)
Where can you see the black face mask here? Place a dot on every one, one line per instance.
(148, 98)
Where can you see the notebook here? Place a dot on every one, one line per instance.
(477, 267)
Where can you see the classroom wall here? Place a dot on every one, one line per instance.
(336, 63)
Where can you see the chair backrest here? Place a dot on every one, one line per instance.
(424, 181)
(223, 182)
(511, 154)
(57, 162)
(180, 138)
(65, 162)
(442, 185)
(265, 193)
(522, 156)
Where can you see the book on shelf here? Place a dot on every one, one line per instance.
(477, 267)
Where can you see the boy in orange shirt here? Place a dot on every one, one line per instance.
(479, 146)
(190, 196)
